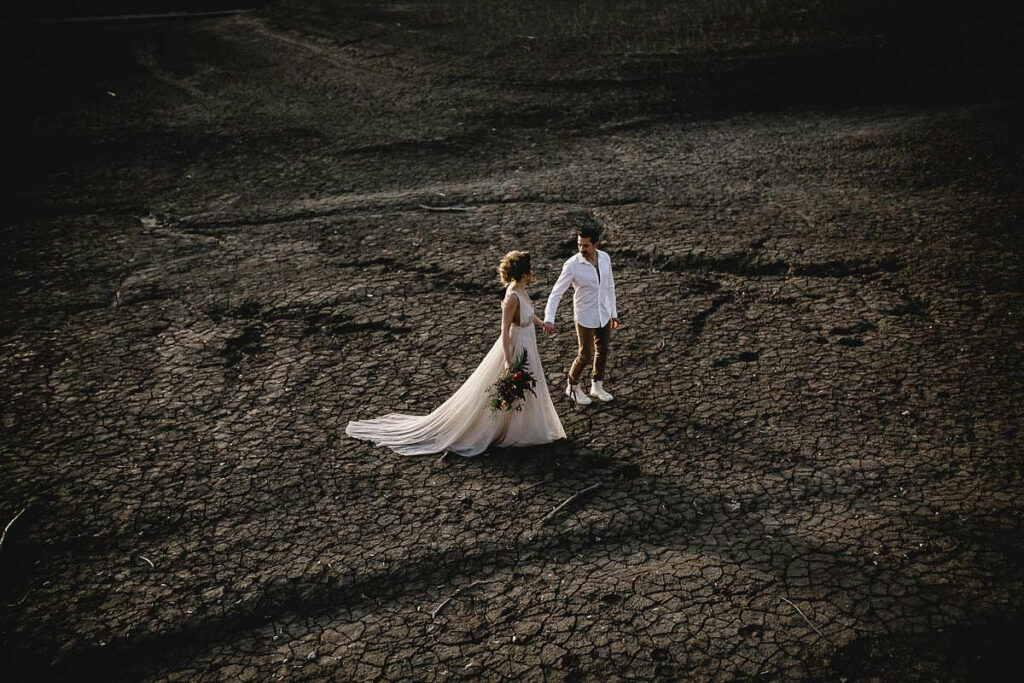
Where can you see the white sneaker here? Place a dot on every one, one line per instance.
(575, 392)
(598, 392)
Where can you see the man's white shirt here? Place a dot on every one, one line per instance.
(593, 302)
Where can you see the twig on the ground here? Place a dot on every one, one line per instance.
(527, 488)
(13, 520)
(148, 561)
(569, 500)
(27, 593)
(805, 618)
(427, 207)
(434, 612)
(443, 456)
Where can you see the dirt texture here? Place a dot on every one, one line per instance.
(227, 238)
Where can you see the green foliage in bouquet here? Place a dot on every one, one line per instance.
(508, 392)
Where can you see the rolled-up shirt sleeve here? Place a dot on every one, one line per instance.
(564, 280)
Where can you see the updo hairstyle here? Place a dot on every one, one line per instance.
(514, 266)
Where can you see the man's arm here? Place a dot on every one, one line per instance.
(562, 284)
(611, 294)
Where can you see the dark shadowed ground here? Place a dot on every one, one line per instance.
(220, 241)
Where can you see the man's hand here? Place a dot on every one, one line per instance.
(615, 323)
(549, 328)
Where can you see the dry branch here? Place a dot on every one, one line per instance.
(426, 207)
(569, 500)
(527, 488)
(27, 593)
(13, 520)
(434, 612)
(805, 618)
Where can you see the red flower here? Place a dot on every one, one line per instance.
(510, 388)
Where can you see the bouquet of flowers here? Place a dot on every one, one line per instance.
(508, 392)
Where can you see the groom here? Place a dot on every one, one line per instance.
(593, 304)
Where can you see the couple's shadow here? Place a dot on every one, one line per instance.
(566, 458)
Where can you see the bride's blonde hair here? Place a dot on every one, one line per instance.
(514, 266)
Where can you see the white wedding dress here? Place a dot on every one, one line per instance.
(465, 423)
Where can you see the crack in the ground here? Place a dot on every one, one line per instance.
(748, 264)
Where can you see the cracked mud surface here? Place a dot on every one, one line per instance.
(218, 255)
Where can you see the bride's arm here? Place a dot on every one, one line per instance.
(509, 311)
(538, 322)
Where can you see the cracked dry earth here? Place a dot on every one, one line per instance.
(811, 470)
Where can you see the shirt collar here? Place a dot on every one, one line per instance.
(579, 257)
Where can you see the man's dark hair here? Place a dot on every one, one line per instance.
(589, 232)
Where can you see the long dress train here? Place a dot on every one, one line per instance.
(465, 423)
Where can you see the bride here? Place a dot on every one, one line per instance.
(465, 423)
